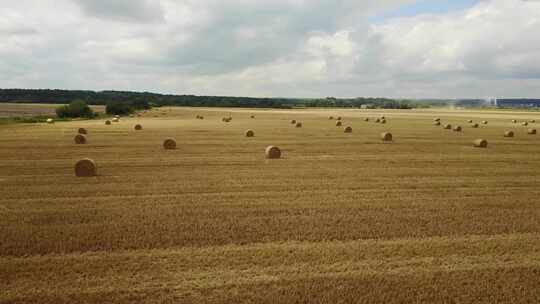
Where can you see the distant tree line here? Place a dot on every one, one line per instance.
(360, 102)
(120, 102)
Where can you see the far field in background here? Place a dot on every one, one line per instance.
(31, 110)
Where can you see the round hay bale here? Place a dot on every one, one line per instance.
(339, 123)
(447, 127)
(50, 121)
(469, 121)
(480, 143)
(348, 130)
(117, 116)
(293, 122)
(366, 119)
(475, 125)
(330, 118)
(82, 131)
(436, 119)
(298, 125)
(339, 118)
(107, 122)
(252, 116)
(509, 134)
(115, 120)
(514, 121)
(386, 136)
(137, 127)
(80, 139)
(383, 118)
(378, 120)
(85, 168)
(525, 124)
(197, 117)
(224, 119)
(250, 133)
(533, 121)
(169, 144)
(273, 152)
(457, 129)
(531, 132)
(201, 117)
(383, 121)
(484, 122)
(437, 123)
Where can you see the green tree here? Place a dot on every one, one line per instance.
(118, 108)
(76, 109)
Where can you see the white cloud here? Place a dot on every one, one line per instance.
(271, 48)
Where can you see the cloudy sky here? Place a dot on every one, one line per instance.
(276, 48)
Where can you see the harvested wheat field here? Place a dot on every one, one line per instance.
(339, 218)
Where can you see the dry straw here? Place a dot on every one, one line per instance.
(509, 134)
(80, 139)
(250, 133)
(85, 168)
(386, 136)
(273, 152)
(82, 131)
(480, 143)
(169, 144)
(137, 127)
(348, 130)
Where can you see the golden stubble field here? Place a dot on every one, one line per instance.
(342, 218)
